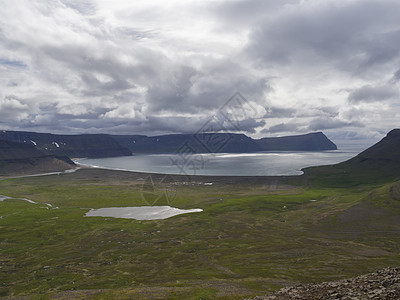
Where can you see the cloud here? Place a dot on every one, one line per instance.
(323, 124)
(368, 93)
(283, 127)
(279, 112)
(396, 77)
(12, 109)
(152, 67)
(345, 35)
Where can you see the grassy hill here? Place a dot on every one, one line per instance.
(19, 158)
(379, 163)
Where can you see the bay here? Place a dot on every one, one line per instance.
(224, 164)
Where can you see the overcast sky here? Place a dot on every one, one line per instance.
(153, 67)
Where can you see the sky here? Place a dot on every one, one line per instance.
(157, 67)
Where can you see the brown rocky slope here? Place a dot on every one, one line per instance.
(383, 284)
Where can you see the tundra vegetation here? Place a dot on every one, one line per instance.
(255, 235)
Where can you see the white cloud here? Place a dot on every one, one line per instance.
(124, 66)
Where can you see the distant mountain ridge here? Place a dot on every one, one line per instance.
(74, 146)
(20, 158)
(223, 143)
(104, 145)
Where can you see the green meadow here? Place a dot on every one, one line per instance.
(254, 236)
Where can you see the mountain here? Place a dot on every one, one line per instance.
(379, 163)
(223, 143)
(19, 158)
(85, 145)
(307, 142)
(103, 145)
(199, 143)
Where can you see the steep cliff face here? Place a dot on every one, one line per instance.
(223, 143)
(307, 142)
(85, 145)
(19, 159)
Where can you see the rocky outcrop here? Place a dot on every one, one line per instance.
(383, 284)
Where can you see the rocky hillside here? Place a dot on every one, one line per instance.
(74, 146)
(223, 143)
(383, 284)
(20, 158)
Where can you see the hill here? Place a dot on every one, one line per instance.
(379, 163)
(19, 158)
(85, 145)
(223, 143)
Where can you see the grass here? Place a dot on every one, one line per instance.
(252, 237)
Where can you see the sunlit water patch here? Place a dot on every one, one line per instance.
(140, 212)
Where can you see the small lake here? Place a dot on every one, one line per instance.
(140, 212)
(224, 164)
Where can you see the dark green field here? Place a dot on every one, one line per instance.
(254, 236)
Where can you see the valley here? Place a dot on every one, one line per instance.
(265, 233)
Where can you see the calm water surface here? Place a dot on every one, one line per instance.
(248, 164)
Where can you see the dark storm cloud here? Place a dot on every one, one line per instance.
(351, 35)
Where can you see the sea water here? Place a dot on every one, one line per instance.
(224, 164)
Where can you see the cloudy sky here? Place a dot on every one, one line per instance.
(153, 67)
